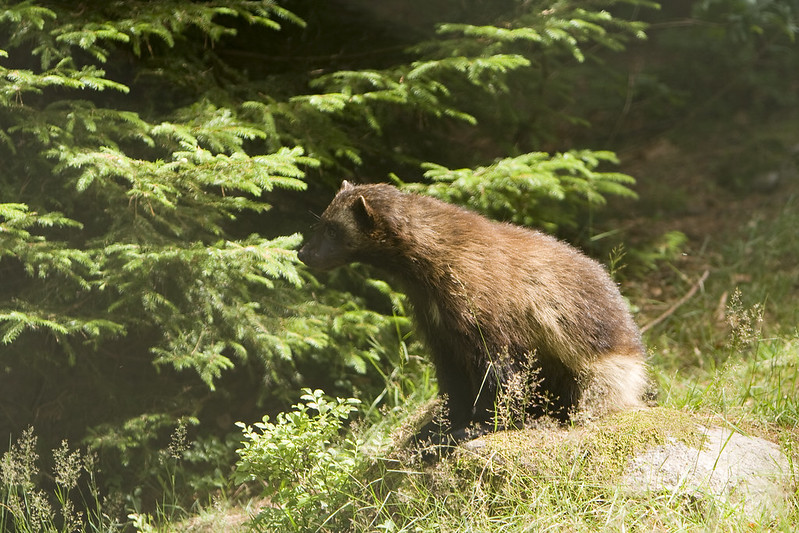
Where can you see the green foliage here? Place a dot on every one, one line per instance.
(208, 285)
(39, 257)
(664, 249)
(760, 35)
(157, 214)
(130, 436)
(49, 262)
(552, 38)
(297, 457)
(744, 57)
(532, 189)
(745, 19)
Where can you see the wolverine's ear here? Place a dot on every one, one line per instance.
(346, 185)
(364, 213)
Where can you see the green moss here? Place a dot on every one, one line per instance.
(596, 453)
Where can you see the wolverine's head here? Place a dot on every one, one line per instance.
(345, 232)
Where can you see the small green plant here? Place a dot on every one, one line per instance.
(662, 250)
(746, 323)
(301, 461)
(520, 390)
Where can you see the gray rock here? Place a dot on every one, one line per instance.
(748, 474)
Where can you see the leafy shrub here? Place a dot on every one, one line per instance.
(300, 461)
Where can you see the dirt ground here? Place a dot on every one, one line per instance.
(716, 188)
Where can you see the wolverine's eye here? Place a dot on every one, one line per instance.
(331, 232)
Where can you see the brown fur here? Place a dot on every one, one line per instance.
(492, 300)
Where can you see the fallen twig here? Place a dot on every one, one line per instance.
(670, 311)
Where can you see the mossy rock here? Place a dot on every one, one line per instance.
(642, 453)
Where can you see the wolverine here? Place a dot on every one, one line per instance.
(492, 301)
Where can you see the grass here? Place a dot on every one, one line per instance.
(735, 346)
(68, 499)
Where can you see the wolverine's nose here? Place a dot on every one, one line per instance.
(303, 255)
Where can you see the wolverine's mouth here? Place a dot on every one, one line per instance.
(318, 262)
(308, 258)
